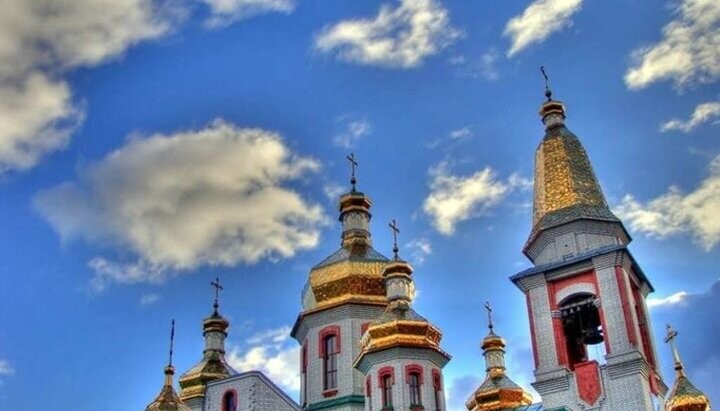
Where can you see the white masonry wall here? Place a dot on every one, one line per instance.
(254, 393)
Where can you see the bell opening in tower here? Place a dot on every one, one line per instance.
(582, 328)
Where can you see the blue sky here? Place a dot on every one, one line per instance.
(148, 146)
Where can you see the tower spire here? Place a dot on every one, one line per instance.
(670, 339)
(684, 395)
(172, 341)
(167, 399)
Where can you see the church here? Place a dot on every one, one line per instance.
(364, 347)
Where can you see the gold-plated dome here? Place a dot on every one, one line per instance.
(213, 365)
(168, 400)
(497, 392)
(683, 396)
(566, 188)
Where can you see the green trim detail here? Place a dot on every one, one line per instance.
(348, 399)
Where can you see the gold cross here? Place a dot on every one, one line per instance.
(353, 164)
(396, 230)
(218, 287)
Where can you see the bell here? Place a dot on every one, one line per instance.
(592, 336)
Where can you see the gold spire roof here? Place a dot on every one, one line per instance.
(566, 188)
(498, 391)
(683, 396)
(167, 400)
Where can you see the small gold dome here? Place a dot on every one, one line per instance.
(167, 400)
(685, 397)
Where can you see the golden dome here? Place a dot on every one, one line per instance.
(566, 188)
(684, 396)
(167, 400)
(498, 391)
(213, 365)
(353, 274)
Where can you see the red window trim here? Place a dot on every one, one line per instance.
(368, 387)
(437, 380)
(326, 332)
(410, 368)
(363, 328)
(235, 394)
(386, 371)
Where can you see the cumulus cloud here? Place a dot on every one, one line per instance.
(538, 21)
(397, 37)
(454, 198)
(420, 248)
(353, 131)
(689, 51)
(224, 12)
(676, 212)
(333, 191)
(271, 352)
(676, 298)
(213, 196)
(704, 113)
(45, 39)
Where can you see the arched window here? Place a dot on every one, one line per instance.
(414, 383)
(229, 401)
(330, 365)
(437, 388)
(581, 326)
(387, 383)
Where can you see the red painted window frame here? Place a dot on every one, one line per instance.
(222, 399)
(382, 373)
(323, 335)
(437, 388)
(415, 369)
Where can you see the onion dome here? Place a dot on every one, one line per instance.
(683, 396)
(498, 391)
(566, 188)
(352, 274)
(399, 325)
(168, 400)
(213, 365)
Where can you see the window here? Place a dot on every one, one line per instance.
(414, 383)
(229, 401)
(330, 362)
(437, 388)
(304, 362)
(368, 392)
(387, 383)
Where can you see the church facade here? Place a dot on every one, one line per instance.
(364, 347)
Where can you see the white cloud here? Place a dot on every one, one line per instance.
(420, 249)
(214, 196)
(538, 21)
(704, 113)
(147, 299)
(224, 12)
(669, 300)
(398, 37)
(6, 370)
(333, 191)
(45, 39)
(676, 212)
(271, 352)
(462, 133)
(689, 51)
(354, 131)
(453, 198)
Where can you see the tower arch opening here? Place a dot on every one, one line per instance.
(582, 328)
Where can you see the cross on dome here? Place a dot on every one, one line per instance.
(353, 165)
(218, 287)
(395, 230)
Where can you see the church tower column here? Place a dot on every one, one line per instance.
(401, 357)
(586, 294)
(344, 293)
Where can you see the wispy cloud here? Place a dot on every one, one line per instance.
(676, 212)
(689, 51)
(271, 352)
(148, 299)
(462, 133)
(676, 298)
(402, 36)
(6, 370)
(538, 21)
(214, 196)
(333, 191)
(38, 112)
(455, 198)
(420, 249)
(704, 113)
(353, 131)
(224, 12)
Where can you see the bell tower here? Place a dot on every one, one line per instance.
(589, 323)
